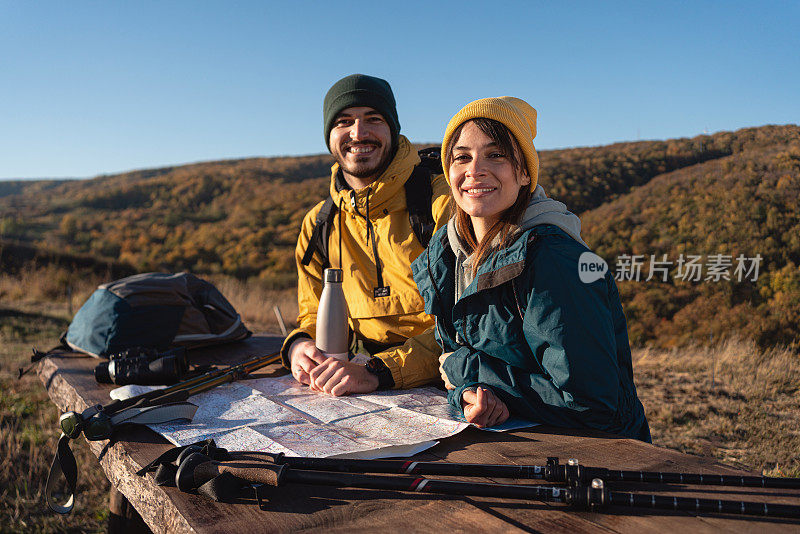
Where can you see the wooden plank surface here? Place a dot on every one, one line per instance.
(71, 386)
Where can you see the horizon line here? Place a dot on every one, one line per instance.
(222, 159)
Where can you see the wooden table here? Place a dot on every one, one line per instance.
(71, 386)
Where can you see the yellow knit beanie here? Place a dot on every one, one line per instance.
(516, 114)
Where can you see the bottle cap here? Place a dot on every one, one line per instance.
(334, 276)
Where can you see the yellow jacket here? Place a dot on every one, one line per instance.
(399, 318)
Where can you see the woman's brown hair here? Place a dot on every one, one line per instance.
(509, 219)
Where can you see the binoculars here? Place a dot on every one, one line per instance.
(143, 366)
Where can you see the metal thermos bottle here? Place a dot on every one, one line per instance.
(332, 327)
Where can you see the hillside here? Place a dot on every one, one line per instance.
(236, 217)
(15, 187)
(585, 178)
(744, 204)
(728, 193)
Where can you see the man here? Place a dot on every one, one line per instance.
(371, 239)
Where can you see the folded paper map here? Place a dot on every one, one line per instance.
(281, 415)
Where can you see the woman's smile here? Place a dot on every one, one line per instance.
(478, 191)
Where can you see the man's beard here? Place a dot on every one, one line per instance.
(364, 169)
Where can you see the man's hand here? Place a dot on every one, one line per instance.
(446, 381)
(483, 408)
(336, 377)
(303, 357)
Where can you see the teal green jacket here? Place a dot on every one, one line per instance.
(553, 348)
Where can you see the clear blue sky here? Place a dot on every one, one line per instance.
(88, 88)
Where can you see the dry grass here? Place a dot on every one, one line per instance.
(255, 303)
(733, 401)
(50, 286)
(28, 434)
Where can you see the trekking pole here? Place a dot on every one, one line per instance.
(197, 469)
(279, 316)
(157, 406)
(231, 374)
(235, 372)
(72, 423)
(571, 473)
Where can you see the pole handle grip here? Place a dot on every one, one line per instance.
(197, 469)
(255, 472)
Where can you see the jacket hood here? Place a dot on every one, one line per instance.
(385, 188)
(544, 210)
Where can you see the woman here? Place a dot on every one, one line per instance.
(521, 333)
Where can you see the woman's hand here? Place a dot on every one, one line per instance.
(442, 358)
(483, 408)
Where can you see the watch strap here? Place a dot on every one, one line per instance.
(379, 369)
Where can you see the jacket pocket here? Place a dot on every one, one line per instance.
(363, 305)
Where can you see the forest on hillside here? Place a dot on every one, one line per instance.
(728, 194)
(737, 220)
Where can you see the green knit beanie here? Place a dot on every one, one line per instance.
(359, 90)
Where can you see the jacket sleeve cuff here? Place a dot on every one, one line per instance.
(454, 396)
(291, 338)
(415, 362)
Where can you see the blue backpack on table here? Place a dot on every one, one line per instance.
(154, 310)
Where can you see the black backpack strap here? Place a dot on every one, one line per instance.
(431, 158)
(59, 350)
(419, 194)
(319, 236)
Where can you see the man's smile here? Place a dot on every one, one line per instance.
(361, 148)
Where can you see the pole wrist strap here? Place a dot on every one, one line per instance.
(64, 464)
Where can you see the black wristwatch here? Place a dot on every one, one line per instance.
(379, 369)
